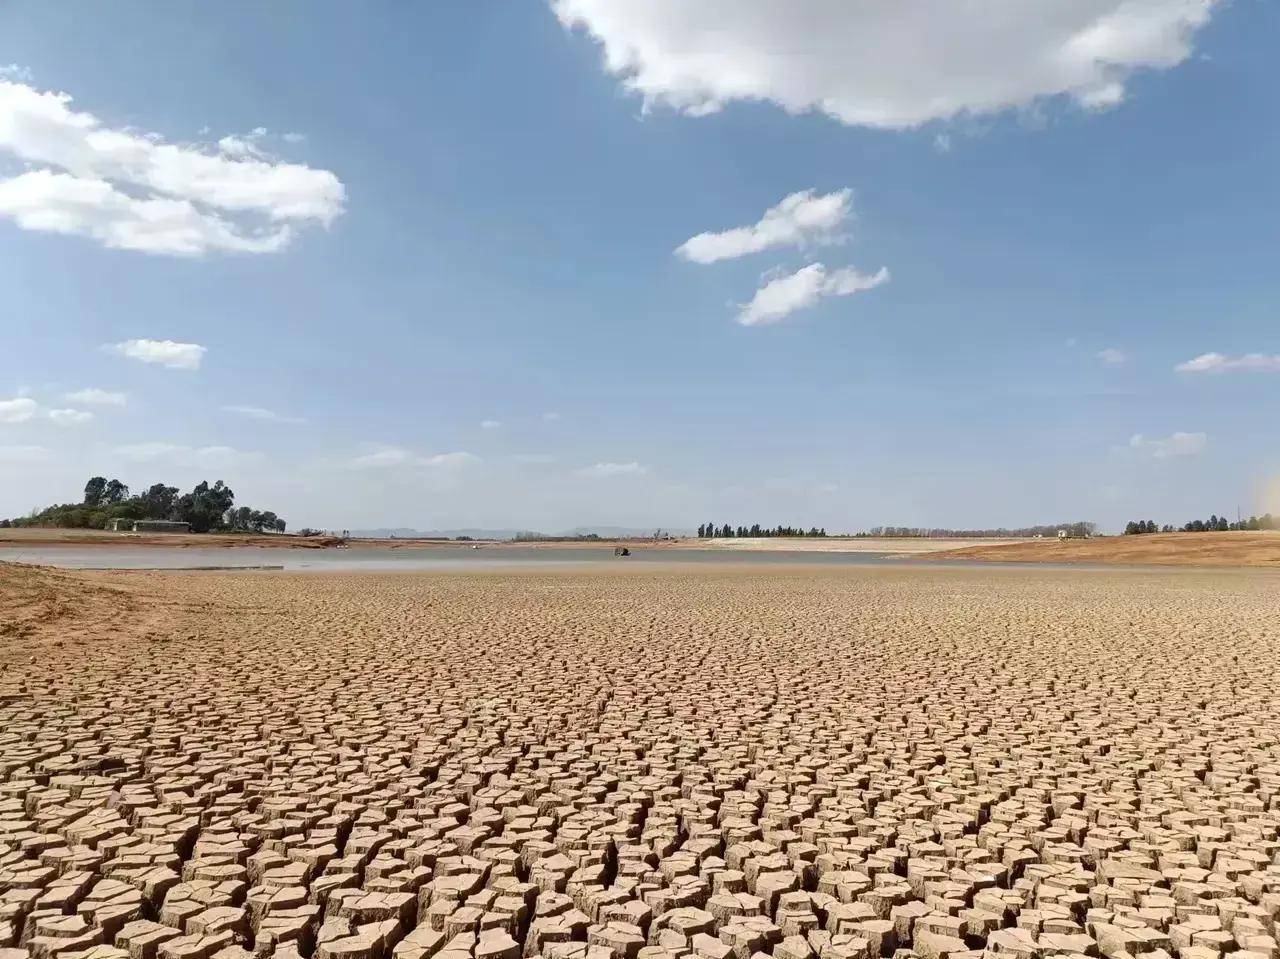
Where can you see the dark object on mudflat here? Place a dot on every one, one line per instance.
(621, 551)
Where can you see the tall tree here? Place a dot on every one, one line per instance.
(94, 490)
(114, 493)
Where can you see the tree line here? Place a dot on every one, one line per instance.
(1077, 529)
(1214, 524)
(712, 531)
(206, 508)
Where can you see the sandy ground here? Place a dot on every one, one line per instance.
(885, 545)
(1158, 549)
(642, 764)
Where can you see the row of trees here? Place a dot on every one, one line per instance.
(1078, 529)
(206, 508)
(1215, 523)
(712, 531)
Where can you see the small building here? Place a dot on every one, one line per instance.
(149, 526)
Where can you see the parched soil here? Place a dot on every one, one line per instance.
(652, 763)
(1150, 549)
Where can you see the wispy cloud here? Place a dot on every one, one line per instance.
(1112, 356)
(134, 191)
(800, 219)
(534, 458)
(601, 470)
(1218, 363)
(550, 417)
(258, 413)
(181, 454)
(490, 424)
(23, 454)
(1176, 444)
(390, 457)
(20, 409)
(779, 298)
(13, 71)
(175, 356)
(96, 397)
(70, 417)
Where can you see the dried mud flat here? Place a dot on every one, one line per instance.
(653, 763)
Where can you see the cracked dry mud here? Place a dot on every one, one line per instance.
(661, 763)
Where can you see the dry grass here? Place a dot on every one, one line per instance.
(1154, 549)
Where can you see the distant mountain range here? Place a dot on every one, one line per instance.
(605, 532)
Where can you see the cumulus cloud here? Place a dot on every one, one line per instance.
(91, 396)
(20, 409)
(600, 470)
(1112, 356)
(885, 65)
(1176, 444)
(175, 356)
(258, 413)
(69, 417)
(1217, 363)
(781, 297)
(134, 191)
(386, 457)
(807, 217)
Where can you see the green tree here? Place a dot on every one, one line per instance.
(115, 492)
(94, 490)
(158, 501)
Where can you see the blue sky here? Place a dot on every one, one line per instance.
(442, 288)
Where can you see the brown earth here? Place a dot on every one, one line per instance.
(1150, 549)
(650, 763)
(27, 536)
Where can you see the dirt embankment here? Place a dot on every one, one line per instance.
(29, 536)
(1151, 549)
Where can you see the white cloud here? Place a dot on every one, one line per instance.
(1217, 363)
(180, 454)
(69, 417)
(135, 191)
(613, 469)
(890, 65)
(490, 424)
(258, 413)
(176, 356)
(802, 218)
(534, 458)
(1176, 444)
(13, 71)
(243, 146)
(1112, 356)
(550, 417)
(18, 410)
(23, 454)
(92, 396)
(781, 297)
(382, 458)
(385, 457)
(294, 137)
(450, 460)
(50, 202)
